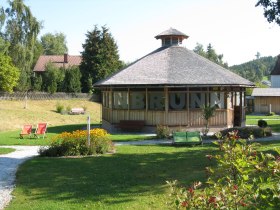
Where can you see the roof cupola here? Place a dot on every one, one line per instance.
(171, 37)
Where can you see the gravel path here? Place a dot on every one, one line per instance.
(8, 167)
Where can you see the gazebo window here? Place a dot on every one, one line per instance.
(120, 100)
(217, 99)
(137, 100)
(167, 41)
(156, 101)
(197, 100)
(177, 101)
(105, 100)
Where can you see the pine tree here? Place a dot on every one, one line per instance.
(100, 57)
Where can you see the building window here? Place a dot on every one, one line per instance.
(120, 100)
(177, 101)
(197, 100)
(156, 101)
(137, 100)
(167, 41)
(217, 99)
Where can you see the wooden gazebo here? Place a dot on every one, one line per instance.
(169, 86)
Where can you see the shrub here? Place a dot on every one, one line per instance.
(68, 109)
(59, 108)
(84, 107)
(162, 131)
(75, 143)
(271, 114)
(246, 132)
(242, 177)
(262, 123)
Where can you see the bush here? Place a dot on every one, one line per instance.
(247, 132)
(162, 131)
(59, 108)
(68, 109)
(242, 178)
(271, 114)
(262, 123)
(75, 143)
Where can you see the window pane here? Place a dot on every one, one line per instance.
(120, 100)
(177, 101)
(156, 101)
(137, 100)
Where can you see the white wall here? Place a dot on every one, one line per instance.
(275, 81)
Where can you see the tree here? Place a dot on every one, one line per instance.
(210, 54)
(54, 44)
(271, 10)
(53, 79)
(207, 113)
(100, 57)
(9, 74)
(21, 29)
(72, 80)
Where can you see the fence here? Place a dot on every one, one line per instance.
(48, 96)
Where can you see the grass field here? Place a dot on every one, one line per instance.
(14, 116)
(272, 121)
(6, 150)
(133, 178)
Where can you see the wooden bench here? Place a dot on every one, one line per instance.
(77, 111)
(187, 137)
(131, 125)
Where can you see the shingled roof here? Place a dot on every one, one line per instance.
(266, 92)
(174, 66)
(58, 61)
(171, 32)
(276, 70)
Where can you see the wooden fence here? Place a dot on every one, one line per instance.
(48, 96)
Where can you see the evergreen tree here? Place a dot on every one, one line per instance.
(53, 79)
(72, 83)
(100, 57)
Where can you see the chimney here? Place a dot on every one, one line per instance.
(65, 58)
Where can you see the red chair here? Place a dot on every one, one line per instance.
(26, 130)
(41, 130)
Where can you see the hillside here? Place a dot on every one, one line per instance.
(256, 69)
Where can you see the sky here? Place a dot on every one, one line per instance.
(235, 28)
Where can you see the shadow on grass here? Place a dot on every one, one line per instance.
(132, 173)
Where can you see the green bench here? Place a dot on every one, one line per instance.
(187, 137)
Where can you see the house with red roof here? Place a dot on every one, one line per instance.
(60, 61)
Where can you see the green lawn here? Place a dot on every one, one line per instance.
(12, 137)
(133, 178)
(6, 150)
(272, 121)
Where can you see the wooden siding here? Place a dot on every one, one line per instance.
(191, 118)
(262, 104)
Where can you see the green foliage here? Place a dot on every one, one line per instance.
(258, 85)
(255, 70)
(75, 143)
(162, 131)
(100, 57)
(53, 79)
(262, 123)
(54, 44)
(208, 111)
(20, 30)
(72, 83)
(9, 74)
(242, 178)
(247, 132)
(210, 54)
(271, 114)
(271, 10)
(37, 82)
(59, 108)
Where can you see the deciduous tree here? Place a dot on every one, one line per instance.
(271, 10)
(9, 74)
(54, 44)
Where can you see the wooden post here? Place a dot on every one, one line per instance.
(128, 103)
(147, 104)
(166, 104)
(188, 105)
(112, 105)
